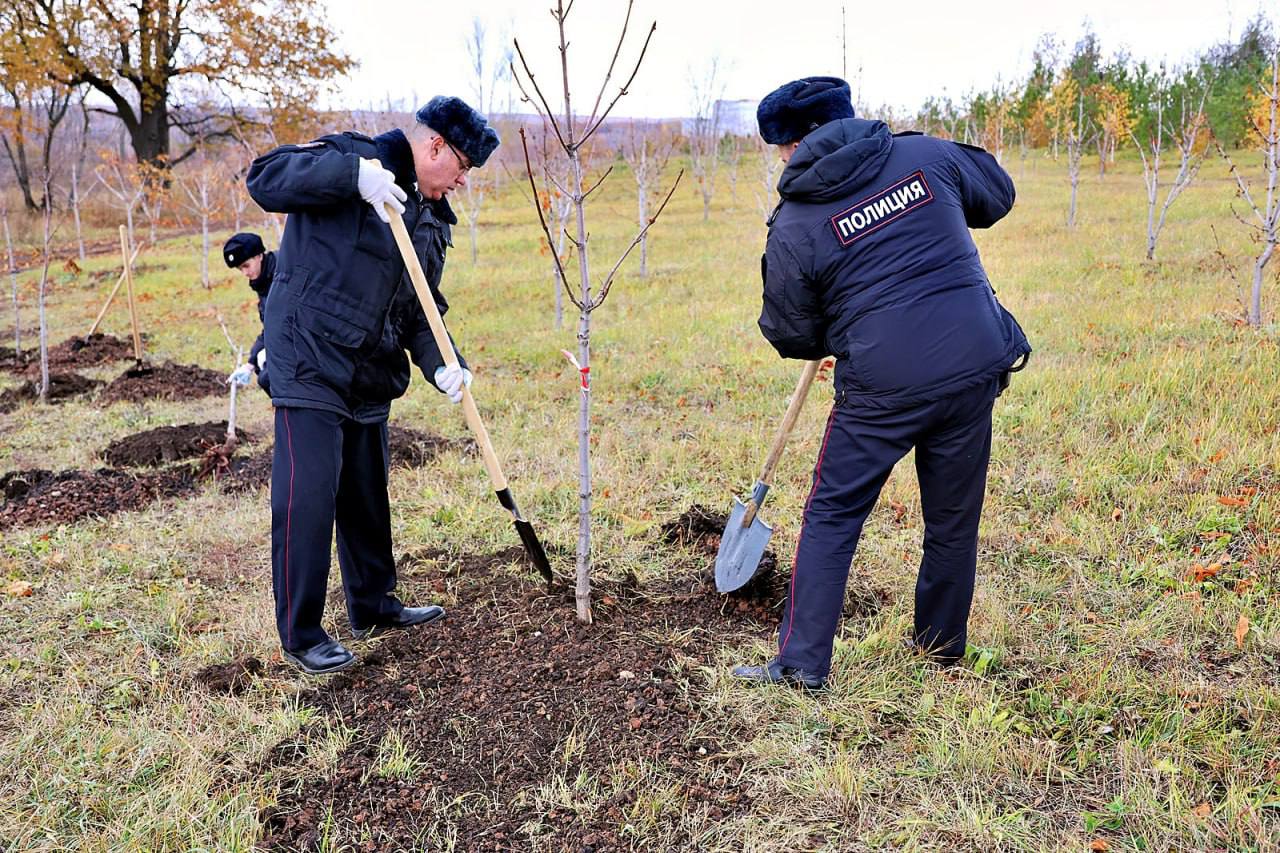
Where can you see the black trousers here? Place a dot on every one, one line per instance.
(952, 438)
(329, 470)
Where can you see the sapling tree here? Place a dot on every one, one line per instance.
(571, 133)
(46, 255)
(647, 150)
(124, 183)
(488, 71)
(768, 167)
(1265, 122)
(704, 132)
(155, 192)
(1185, 131)
(200, 188)
(13, 276)
(1079, 134)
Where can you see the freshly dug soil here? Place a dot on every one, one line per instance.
(166, 444)
(38, 497)
(411, 447)
(231, 678)
(97, 349)
(62, 386)
(511, 693)
(166, 381)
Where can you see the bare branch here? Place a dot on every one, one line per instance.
(607, 285)
(625, 87)
(608, 74)
(597, 184)
(550, 116)
(528, 169)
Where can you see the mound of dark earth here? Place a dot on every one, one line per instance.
(167, 381)
(699, 529)
(62, 386)
(411, 448)
(459, 728)
(97, 349)
(231, 678)
(38, 497)
(166, 444)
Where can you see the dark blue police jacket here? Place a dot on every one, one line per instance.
(342, 310)
(869, 258)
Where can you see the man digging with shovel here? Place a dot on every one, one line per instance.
(869, 259)
(340, 315)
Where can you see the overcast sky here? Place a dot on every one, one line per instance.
(899, 53)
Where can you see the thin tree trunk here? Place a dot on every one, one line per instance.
(44, 281)
(473, 228)
(13, 281)
(1255, 300)
(582, 589)
(75, 208)
(644, 241)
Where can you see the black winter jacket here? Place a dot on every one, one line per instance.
(262, 286)
(869, 259)
(342, 310)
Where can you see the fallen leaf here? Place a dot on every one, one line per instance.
(1243, 585)
(1217, 457)
(18, 589)
(1117, 514)
(1228, 500)
(1242, 630)
(1203, 810)
(1099, 845)
(1200, 573)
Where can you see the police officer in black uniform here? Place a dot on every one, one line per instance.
(869, 258)
(245, 252)
(340, 316)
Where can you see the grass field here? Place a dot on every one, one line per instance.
(1114, 696)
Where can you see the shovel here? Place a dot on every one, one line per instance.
(530, 539)
(746, 536)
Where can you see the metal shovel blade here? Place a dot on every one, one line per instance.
(740, 549)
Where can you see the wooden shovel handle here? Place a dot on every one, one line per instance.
(438, 331)
(789, 420)
(111, 297)
(128, 281)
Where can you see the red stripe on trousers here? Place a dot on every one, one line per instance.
(795, 563)
(288, 526)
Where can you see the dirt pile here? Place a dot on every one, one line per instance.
(458, 725)
(38, 497)
(167, 381)
(62, 386)
(411, 447)
(166, 444)
(231, 678)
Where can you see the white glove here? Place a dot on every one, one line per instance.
(262, 358)
(378, 186)
(450, 380)
(242, 377)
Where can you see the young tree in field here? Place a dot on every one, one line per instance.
(46, 255)
(155, 192)
(488, 70)
(571, 134)
(1114, 119)
(647, 149)
(1186, 131)
(1079, 135)
(146, 57)
(201, 187)
(704, 132)
(76, 196)
(125, 183)
(769, 167)
(1265, 122)
(13, 275)
(733, 160)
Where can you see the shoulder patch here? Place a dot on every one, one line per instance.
(877, 211)
(316, 144)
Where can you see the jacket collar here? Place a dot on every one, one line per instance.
(397, 155)
(262, 283)
(835, 160)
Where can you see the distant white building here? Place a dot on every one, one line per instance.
(730, 117)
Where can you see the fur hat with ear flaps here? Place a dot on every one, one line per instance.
(461, 126)
(791, 111)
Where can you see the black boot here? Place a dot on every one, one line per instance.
(326, 657)
(775, 673)
(406, 618)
